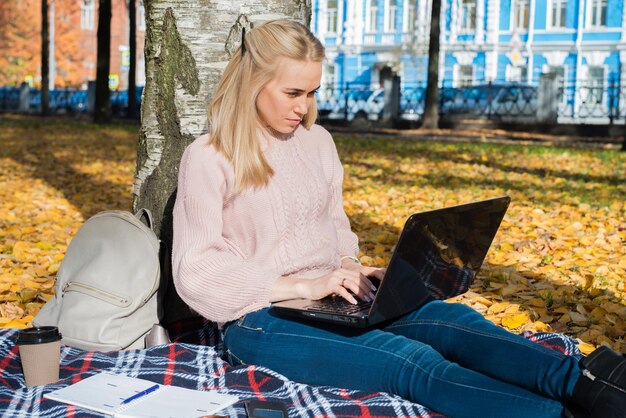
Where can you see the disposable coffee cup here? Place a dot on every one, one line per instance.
(40, 352)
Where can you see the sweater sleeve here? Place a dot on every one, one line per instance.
(211, 276)
(348, 242)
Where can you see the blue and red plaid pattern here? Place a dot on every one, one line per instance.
(194, 361)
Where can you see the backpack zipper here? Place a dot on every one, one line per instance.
(94, 291)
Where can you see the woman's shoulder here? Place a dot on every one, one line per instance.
(318, 131)
(202, 159)
(201, 151)
(319, 137)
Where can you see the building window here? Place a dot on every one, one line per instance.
(520, 15)
(559, 70)
(141, 17)
(598, 13)
(330, 76)
(595, 78)
(464, 75)
(409, 16)
(468, 15)
(372, 14)
(331, 16)
(517, 74)
(87, 12)
(392, 8)
(557, 13)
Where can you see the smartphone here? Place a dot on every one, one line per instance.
(266, 409)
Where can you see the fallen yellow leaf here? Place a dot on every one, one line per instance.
(515, 321)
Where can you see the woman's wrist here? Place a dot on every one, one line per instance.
(290, 288)
(350, 263)
(350, 257)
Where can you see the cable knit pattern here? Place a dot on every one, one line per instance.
(229, 248)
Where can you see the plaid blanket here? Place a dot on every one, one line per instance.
(194, 360)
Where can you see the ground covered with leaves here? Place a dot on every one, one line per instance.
(558, 261)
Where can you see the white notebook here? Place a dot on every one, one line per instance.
(107, 393)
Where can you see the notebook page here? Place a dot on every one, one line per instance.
(177, 402)
(102, 392)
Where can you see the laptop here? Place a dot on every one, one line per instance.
(437, 256)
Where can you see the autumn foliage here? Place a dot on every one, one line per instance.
(20, 40)
(20, 43)
(558, 262)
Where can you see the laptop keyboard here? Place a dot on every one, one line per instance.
(338, 305)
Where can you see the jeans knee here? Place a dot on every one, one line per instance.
(438, 310)
(416, 370)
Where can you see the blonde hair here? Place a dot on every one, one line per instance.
(233, 115)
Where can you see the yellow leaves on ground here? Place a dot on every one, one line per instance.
(558, 262)
(53, 175)
(515, 321)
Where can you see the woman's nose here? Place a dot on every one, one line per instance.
(301, 106)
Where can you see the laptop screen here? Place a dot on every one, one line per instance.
(438, 255)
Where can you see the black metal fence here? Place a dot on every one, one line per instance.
(577, 102)
(593, 100)
(61, 101)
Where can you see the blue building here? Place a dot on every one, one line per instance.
(583, 42)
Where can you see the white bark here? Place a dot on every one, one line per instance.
(188, 43)
(211, 30)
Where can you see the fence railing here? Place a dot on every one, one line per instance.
(576, 102)
(67, 101)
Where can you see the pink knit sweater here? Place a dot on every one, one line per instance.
(229, 248)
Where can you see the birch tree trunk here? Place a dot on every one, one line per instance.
(188, 44)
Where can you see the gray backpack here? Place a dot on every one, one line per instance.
(107, 285)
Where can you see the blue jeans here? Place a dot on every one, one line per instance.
(445, 356)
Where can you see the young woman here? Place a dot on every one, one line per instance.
(259, 218)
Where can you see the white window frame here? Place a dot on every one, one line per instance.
(329, 82)
(557, 21)
(517, 7)
(601, 84)
(517, 73)
(467, 23)
(594, 13)
(87, 14)
(372, 16)
(409, 15)
(332, 17)
(391, 15)
(463, 81)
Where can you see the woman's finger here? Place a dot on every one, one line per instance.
(379, 273)
(360, 287)
(342, 290)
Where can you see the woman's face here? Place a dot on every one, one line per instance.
(284, 101)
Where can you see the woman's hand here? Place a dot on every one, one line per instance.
(346, 282)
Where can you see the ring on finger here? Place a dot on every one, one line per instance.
(343, 282)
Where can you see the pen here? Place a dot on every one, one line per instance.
(140, 394)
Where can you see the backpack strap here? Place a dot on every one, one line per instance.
(145, 216)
